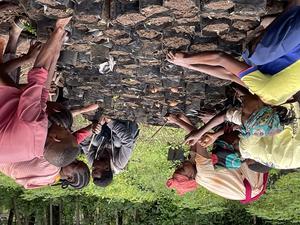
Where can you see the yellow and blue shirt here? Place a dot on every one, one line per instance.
(277, 81)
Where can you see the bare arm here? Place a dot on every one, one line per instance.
(218, 72)
(215, 121)
(85, 109)
(194, 137)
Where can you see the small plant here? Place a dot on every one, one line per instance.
(30, 28)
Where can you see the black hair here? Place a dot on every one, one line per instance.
(286, 116)
(63, 118)
(61, 157)
(258, 167)
(104, 180)
(81, 177)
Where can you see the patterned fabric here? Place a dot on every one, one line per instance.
(281, 151)
(264, 122)
(227, 183)
(224, 156)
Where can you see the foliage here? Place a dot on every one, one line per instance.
(139, 196)
(281, 202)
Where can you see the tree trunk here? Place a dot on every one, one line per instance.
(135, 215)
(77, 212)
(60, 212)
(11, 216)
(254, 220)
(45, 216)
(31, 219)
(119, 218)
(18, 220)
(51, 213)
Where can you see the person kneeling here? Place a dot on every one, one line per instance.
(39, 172)
(110, 150)
(240, 183)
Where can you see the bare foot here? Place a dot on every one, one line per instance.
(15, 29)
(62, 23)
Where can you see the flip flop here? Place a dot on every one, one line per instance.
(22, 22)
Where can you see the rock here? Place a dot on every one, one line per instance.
(119, 7)
(219, 6)
(68, 57)
(152, 10)
(176, 43)
(215, 29)
(130, 19)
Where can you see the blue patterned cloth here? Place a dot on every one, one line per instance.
(263, 122)
(224, 156)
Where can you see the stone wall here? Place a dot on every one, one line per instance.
(138, 34)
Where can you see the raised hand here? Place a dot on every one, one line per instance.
(193, 137)
(96, 128)
(208, 139)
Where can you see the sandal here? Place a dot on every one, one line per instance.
(22, 22)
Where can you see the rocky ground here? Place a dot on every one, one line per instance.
(137, 34)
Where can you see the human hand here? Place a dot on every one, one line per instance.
(208, 139)
(96, 128)
(193, 137)
(34, 50)
(104, 120)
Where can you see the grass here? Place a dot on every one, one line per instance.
(145, 177)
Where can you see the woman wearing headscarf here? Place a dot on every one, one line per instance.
(240, 183)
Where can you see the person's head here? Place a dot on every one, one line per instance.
(60, 115)
(76, 174)
(187, 168)
(183, 179)
(102, 173)
(61, 147)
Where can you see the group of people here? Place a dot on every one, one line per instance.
(37, 145)
(259, 132)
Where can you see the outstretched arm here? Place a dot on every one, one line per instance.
(211, 58)
(194, 137)
(216, 71)
(85, 109)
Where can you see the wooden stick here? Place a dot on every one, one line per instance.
(159, 129)
(90, 145)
